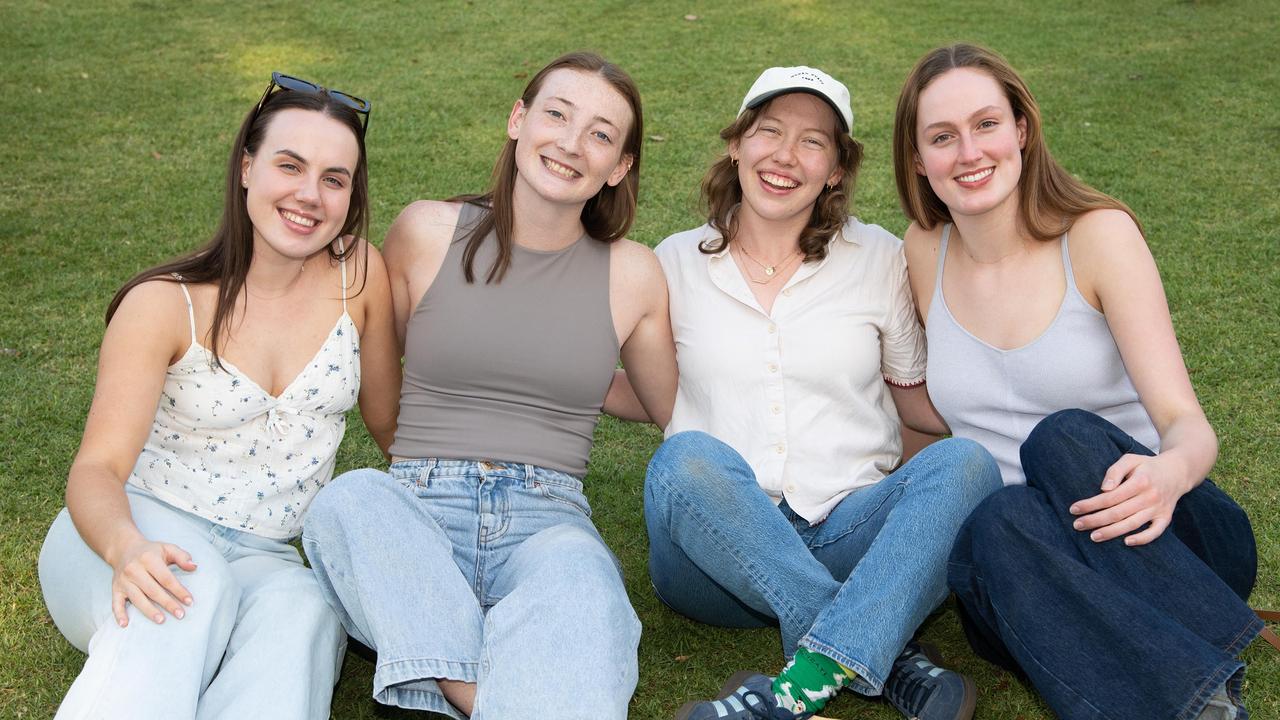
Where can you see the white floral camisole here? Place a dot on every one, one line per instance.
(223, 448)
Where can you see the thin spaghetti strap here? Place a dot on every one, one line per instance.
(343, 262)
(191, 312)
(942, 259)
(1066, 265)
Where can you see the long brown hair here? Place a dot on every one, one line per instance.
(607, 216)
(721, 192)
(1049, 198)
(225, 259)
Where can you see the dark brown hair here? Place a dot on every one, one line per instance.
(722, 193)
(1049, 198)
(607, 216)
(225, 259)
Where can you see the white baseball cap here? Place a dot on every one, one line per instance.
(782, 80)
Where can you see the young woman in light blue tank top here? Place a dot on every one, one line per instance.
(1109, 570)
(214, 422)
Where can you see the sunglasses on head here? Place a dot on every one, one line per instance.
(289, 82)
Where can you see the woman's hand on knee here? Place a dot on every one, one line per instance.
(142, 577)
(1137, 492)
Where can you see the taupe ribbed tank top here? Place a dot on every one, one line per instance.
(514, 371)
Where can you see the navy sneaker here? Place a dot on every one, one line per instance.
(745, 696)
(922, 690)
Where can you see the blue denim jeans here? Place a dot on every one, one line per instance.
(259, 640)
(489, 573)
(854, 587)
(1104, 630)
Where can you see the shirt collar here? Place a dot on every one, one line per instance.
(847, 233)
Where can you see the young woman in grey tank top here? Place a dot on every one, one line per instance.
(1115, 576)
(472, 568)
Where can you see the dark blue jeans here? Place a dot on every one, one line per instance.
(1104, 630)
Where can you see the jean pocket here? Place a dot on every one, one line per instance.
(567, 494)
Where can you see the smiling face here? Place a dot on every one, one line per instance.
(570, 139)
(969, 142)
(786, 158)
(298, 184)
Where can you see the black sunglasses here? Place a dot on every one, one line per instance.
(289, 82)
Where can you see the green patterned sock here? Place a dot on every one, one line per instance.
(809, 681)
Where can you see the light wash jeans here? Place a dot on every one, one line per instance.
(490, 573)
(854, 587)
(258, 641)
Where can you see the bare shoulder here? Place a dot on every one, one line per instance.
(636, 281)
(635, 264)
(157, 300)
(921, 244)
(153, 315)
(1106, 234)
(423, 227)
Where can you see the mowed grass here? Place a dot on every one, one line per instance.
(119, 116)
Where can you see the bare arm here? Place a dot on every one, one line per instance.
(379, 355)
(648, 391)
(916, 410)
(1116, 271)
(147, 334)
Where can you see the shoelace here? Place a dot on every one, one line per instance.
(759, 710)
(915, 692)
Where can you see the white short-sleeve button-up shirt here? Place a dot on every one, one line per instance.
(800, 392)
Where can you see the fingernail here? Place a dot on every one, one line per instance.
(1079, 525)
(178, 613)
(123, 622)
(158, 617)
(186, 600)
(1075, 509)
(1094, 536)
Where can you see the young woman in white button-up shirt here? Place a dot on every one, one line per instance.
(777, 497)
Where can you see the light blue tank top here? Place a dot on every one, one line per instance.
(996, 397)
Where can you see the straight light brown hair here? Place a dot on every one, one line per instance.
(607, 216)
(1049, 198)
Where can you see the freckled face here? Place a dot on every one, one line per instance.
(970, 143)
(298, 185)
(787, 156)
(569, 140)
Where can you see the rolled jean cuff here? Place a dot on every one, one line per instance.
(411, 683)
(865, 683)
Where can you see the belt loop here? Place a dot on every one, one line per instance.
(530, 477)
(424, 473)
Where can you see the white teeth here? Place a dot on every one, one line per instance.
(563, 171)
(295, 218)
(778, 180)
(975, 177)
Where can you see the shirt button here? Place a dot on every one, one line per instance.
(773, 367)
(791, 487)
(787, 292)
(780, 448)
(772, 328)
(776, 409)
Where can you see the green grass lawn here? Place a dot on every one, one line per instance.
(119, 115)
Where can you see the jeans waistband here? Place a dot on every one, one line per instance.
(436, 468)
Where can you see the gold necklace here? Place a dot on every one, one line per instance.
(769, 270)
(772, 272)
